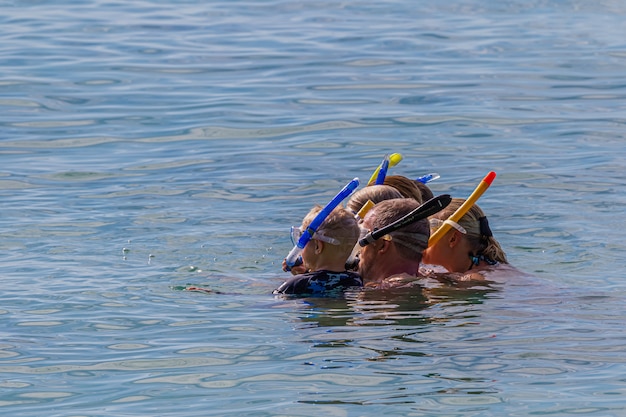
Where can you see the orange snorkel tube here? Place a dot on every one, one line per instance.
(456, 216)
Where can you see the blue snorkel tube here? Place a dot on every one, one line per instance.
(382, 173)
(428, 178)
(294, 254)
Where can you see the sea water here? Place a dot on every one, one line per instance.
(146, 146)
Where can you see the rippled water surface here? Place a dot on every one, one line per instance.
(150, 145)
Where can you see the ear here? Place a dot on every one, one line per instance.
(319, 246)
(384, 247)
(455, 238)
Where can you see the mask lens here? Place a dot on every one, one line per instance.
(296, 233)
(435, 224)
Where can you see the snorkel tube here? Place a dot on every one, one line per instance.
(456, 216)
(307, 234)
(366, 207)
(392, 160)
(382, 172)
(432, 206)
(424, 179)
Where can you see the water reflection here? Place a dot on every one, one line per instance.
(390, 324)
(412, 306)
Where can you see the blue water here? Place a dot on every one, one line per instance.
(149, 145)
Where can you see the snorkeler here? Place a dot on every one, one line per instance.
(323, 271)
(395, 256)
(468, 250)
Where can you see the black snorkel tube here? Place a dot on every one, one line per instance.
(432, 206)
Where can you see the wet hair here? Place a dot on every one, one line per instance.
(412, 239)
(340, 224)
(478, 231)
(375, 193)
(427, 193)
(409, 188)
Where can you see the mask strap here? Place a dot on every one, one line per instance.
(477, 258)
(485, 230)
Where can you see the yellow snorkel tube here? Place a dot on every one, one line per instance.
(456, 216)
(366, 207)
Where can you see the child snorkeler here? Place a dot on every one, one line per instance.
(323, 271)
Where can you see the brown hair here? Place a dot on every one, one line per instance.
(427, 193)
(478, 232)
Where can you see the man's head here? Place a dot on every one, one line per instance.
(399, 252)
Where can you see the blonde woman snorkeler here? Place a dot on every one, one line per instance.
(468, 251)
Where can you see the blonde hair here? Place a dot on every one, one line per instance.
(409, 188)
(375, 193)
(478, 232)
(340, 224)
